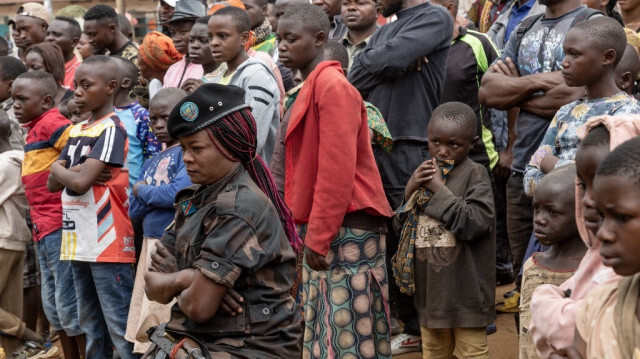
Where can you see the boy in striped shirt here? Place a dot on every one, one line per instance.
(97, 233)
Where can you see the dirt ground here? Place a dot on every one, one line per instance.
(503, 344)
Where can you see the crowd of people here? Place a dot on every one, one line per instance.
(279, 178)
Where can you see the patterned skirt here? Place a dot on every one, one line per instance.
(347, 306)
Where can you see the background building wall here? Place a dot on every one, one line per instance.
(143, 10)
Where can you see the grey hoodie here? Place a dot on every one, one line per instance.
(14, 233)
(261, 92)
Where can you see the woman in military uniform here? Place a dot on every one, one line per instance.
(232, 230)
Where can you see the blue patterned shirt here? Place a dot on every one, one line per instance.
(562, 137)
(143, 144)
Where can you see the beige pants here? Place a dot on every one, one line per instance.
(11, 267)
(144, 313)
(454, 343)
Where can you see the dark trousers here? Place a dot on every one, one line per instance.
(401, 304)
(395, 170)
(503, 251)
(519, 220)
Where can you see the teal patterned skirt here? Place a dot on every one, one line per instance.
(346, 308)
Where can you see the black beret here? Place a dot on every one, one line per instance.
(203, 107)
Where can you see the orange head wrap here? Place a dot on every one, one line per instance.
(157, 51)
(220, 4)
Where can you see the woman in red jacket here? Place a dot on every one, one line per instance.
(335, 193)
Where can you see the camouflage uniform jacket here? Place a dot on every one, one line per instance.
(231, 232)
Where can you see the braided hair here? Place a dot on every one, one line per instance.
(237, 133)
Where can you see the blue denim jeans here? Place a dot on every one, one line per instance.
(104, 293)
(58, 290)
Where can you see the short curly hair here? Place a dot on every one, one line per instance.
(310, 15)
(460, 113)
(597, 137)
(239, 17)
(623, 161)
(101, 12)
(11, 67)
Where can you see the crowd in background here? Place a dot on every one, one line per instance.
(269, 179)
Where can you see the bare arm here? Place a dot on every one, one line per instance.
(504, 92)
(579, 346)
(163, 287)
(553, 99)
(505, 158)
(548, 163)
(78, 181)
(53, 185)
(512, 115)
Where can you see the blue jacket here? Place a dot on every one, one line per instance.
(165, 175)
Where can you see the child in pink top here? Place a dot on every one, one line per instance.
(553, 307)
(607, 320)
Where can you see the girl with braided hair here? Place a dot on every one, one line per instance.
(232, 233)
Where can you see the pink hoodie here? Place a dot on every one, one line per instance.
(553, 315)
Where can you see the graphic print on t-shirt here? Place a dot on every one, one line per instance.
(96, 226)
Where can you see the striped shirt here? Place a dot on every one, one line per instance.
(47, 137)
(96, 225)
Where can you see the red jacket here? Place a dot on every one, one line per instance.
(329, 168)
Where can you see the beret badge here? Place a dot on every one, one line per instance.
(189, 111)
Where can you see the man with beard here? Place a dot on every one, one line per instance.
(392, 74)
(528, 75)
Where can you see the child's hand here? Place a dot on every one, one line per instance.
(162, 260)
(104, 177)
(61, 163)
(420, 176)
(434, 179)
(134, 190)
(314, 260)
(190, 85)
